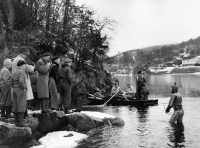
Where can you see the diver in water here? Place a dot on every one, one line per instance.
(175, 102)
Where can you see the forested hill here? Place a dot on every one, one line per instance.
(158, 55)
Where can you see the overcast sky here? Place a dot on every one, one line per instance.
(145, 23)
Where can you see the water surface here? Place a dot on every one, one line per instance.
(148, 127)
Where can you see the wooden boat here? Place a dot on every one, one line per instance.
(120, 100)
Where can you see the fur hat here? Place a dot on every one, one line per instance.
(7, 61)
(20, 63)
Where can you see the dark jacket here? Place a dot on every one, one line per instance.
(54, 71)
(65, 72)
(33, 78)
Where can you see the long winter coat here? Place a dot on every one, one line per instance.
(54, 95)
(28, 69)
(43, 78)
(5, 86)
(19, 91)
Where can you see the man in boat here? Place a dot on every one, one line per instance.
(141, 90)
(115, 88)
(129, 93)
(175, 102)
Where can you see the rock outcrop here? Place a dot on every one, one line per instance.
(38, 125)
(10, 134)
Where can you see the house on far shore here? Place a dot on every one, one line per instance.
(190, 61)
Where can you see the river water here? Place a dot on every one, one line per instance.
(148, 127)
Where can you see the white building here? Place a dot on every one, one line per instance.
(190, 60)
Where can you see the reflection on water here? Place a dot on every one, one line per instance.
(148, 127)
(176, 135)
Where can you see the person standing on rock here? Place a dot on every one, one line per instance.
(5, 87)
(33, 78)
(19, 93)
(28, 69)
(53, 83)
(175, 102)
(43, 67)
(64, 78)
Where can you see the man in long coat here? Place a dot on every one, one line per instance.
(43, 67)
(19, 93)
(54, 96)
(65, 83)
(5, 87)
(28, 69)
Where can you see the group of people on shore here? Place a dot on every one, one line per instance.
(37, 85)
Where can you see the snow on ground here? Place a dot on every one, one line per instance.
(61, 139)
(167, 70)
(67, 139)
(97, 115)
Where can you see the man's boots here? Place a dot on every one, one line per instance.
(8, 111)
(20, 119)
(3, 111)
(16, 118)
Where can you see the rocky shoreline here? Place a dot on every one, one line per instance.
(38, 125)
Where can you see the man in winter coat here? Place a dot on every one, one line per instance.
(141, 90)
(5, 87)
(65, 83)
(19, 93)
(43, 67)
(28, 69)
(53, 83)
(175, 102)
(33, 78)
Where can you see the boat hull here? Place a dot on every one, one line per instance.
(116, 101)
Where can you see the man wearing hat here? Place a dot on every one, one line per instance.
(28, 69)
(53, 83)
(129, 91)
(19, 93)
(65, 83)
(43, 67)
(175, 102)
(140, 87)
(5, 87)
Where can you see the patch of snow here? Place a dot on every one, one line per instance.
(61, 139)
(98, 115)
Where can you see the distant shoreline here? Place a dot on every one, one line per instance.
(169, 70)
(177, 70)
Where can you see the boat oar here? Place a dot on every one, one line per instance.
(102, 104)
(125, 97)
(109, 99)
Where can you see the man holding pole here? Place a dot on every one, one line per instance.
(175, 102)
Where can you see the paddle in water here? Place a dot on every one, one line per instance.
(104, 103)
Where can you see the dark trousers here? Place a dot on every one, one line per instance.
(65, 93)
(44, 104)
